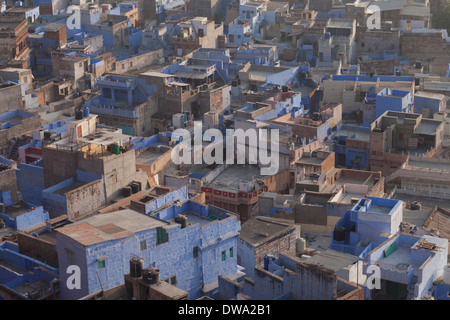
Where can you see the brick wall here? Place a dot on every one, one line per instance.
(38, 248)
(422, 46)
(284, 243)
(85, 199)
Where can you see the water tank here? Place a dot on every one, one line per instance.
(300, 246)
(446, 276)
(267, 259)
(115, 149)
(134, 188)
(126, 192)
(79, 114)
(181, 219)
(316, 116)
(150, 275)
(86, 112)
(136, 266)
(339, 234)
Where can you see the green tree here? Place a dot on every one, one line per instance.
(441, 18)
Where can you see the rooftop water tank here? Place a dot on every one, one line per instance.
(136, 266)
(300, 246)
(150, 275)
(446, 276)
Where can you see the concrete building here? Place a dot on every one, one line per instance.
(395, 134)
(12, 97)
(428, 104)
(393, 100)
(23, 12)
(289, 278)
(350, 90)
(263, 236)
(14, 125)
(198, 32)
(351, 146)
(24, 77)
(422, 176)
(90, 153)
(365, 222)
(125, 102)
(239, 33)
(14, 47)
(189, 89)
(409, 266)
(24, 278)
(114, 30)
(153, 155)
(8, 184)
(202, 246)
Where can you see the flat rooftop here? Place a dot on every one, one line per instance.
(332, 259)
(429, 165)
(109, 226)
(70, 187)
(231, 177)
(16, 210)
(148, 156)
(354, 134)
(260, 230)
(427, 127)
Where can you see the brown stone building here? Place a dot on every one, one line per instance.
(14, 47)
(262, 236)
(199, 32)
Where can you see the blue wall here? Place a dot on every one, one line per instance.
(423, 102)
(30, 182)
(173, 258)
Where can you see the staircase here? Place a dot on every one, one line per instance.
(14, 148)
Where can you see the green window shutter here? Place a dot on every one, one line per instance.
(161, 236)
(101, 264)
(195, 252)
(224, 255)
(231, 252)
(70, 257)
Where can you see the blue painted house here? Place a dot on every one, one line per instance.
(409, 265)
(191, 255)
(351, 146)
(25, 277)
(393, 100)
(365, 222)
(429, 103)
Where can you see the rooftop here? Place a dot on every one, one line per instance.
(262, 229)
(231, 178)
(109, 226)
(427, 127)
(332, 259)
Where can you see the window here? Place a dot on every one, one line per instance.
(70, 257)
(231, 252)
(161, 236)
(101, 264)
(143, 245)
(195, 252)
(224, 256)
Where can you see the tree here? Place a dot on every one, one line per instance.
(441, 18)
